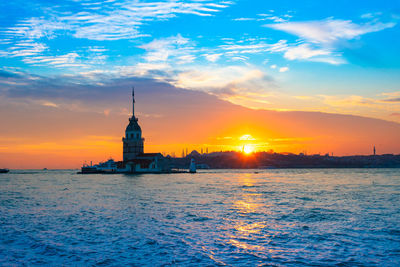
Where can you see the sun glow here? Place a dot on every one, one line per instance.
(247, 149)
(247, 137)
(247, 145)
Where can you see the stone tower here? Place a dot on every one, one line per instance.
(133, 141)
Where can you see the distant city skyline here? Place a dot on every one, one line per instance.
(207, 73)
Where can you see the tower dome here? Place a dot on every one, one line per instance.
(133, 141)
(133, 125)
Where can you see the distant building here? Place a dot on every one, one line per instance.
(148, 162)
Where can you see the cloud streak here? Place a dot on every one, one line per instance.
(115, 21)
(161, 50)
(329, 31)
(320, 39)
(95, 21)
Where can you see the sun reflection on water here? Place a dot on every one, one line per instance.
(255, 237)
(246, 180)
(247, 203)
(246, 206)
(253, 228)
(245, 246)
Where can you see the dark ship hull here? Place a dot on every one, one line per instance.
(4, 170)
(89, 169)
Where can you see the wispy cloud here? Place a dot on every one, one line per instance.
(97, 49)
(67, 60)
(320, 39)
(264, 17)
(26, 48)
(49, 104)
(35, 28)
(243, 85)
(253, 47)
(356, 102)
(163, 49)
(283, 69)
(391, 97)
(395, 114)
(244, 19)
(214, 79)
(392, 100)
(274, 18)
(213, 57)
(28, 37)
(371, 15)
(307, 52)
(245, 48)
(94, 20)
(115, 20)
(329, 31)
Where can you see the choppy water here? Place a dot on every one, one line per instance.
(241, 218)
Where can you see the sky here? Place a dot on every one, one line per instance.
(223, 69)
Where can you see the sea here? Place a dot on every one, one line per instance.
(275, 217)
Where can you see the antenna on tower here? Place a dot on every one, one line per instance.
(133, 101)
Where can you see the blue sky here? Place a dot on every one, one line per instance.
(329, 56)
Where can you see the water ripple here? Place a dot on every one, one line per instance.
(235, 217)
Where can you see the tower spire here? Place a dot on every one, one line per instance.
(133, 102)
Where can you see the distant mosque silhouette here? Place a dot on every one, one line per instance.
(134, 158)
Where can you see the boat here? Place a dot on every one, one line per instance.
(4, 170)
(89, 169)
(109, 166)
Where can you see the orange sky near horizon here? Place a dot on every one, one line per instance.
(40, 136)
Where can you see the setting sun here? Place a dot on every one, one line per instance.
(247, 149)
